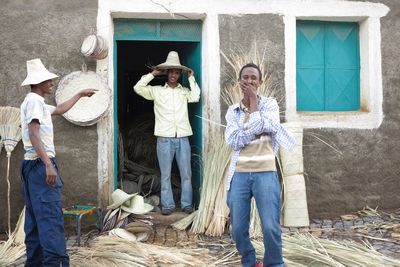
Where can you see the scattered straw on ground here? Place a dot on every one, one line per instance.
(111, 251)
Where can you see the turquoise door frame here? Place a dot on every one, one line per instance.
(165, 31)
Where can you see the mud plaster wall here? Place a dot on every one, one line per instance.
(366, 171)
(52, 31)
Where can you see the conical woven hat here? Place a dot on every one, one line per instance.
(172, 62)
(37, 72)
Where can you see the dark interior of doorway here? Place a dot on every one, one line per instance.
(136, 117)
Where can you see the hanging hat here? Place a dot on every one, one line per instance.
(37, 72)
(137, 206)
(94, 46)
(119, 198)
(172, 62)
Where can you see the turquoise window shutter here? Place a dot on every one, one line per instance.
(328, 68)
(310, 66)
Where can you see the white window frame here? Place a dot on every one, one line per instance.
(371, 93)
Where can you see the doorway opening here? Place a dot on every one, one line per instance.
(138, 168)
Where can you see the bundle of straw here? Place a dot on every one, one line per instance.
(9, 252)
(308, 250)
(232, 93)
(10, 133)
(380, 221)
(19, 233)
(221, 210)
(112, 251)
(214, 169)
(184, 223)
(255, 230)
(141, 142)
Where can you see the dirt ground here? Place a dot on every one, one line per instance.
(382, 232)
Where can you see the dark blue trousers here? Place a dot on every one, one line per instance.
(44, 220)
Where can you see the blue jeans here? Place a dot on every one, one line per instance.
(265, 188)
(44, 219)
(167, 148)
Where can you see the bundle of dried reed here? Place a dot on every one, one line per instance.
(221, 211)
(231, 93)
(10, 116)
(214, 168)
(308, 250)
(10, 133)
(380, 220)
(10, 252)
(184, 223)
(141, 142)
(255, 230)
(112, 251)
(19, 234)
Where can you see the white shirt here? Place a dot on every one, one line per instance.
(32, 108)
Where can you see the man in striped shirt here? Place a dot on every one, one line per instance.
(254, 133)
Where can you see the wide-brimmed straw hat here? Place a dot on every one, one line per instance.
(119, 198)
(137, 206)
(37, 72)
(172, 62)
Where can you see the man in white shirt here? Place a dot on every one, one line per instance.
(172, 127)
(44, 221)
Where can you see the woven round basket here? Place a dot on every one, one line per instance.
(94, 46)
(88, 110)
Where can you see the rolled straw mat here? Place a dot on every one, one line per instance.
(295, 211)
(292, 161)
(88, 110)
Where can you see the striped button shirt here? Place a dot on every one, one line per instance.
(32, 108)
(266, 120)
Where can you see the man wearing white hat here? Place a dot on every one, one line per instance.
(44, 222)
(172, 127)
